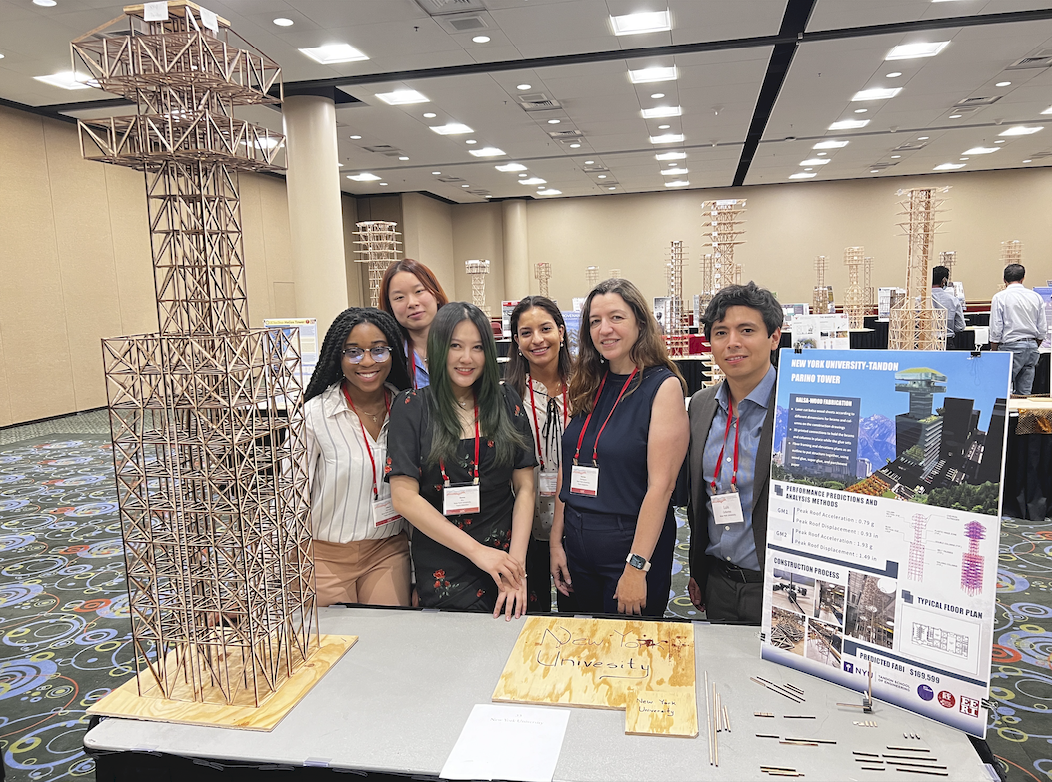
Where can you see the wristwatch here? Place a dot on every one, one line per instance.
(638, 562)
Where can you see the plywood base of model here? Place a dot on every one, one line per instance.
(645, 668)
(126, 701)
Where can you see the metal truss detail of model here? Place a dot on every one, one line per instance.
(854, 294)
(867, 282)
(591, 277)
(675, 328)
(377, 247)
(916, 323)
(822, 300)
(205, 416)
(542, 271)
(477, 271)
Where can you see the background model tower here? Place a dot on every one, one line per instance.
(820, 299)
(591, 277)
(854, 295)
(675, 331)
(706, 283)
(948, 258)
(478, 270)
(543, 272)
(725, 220)
(205, 415)
(867, 282)
(915, 323)
(615, 274)
(377, 247)
(1011, 252)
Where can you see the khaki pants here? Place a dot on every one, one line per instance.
(373, 572)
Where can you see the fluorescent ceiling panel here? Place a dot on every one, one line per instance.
(654, 74)
(402, 97)
(877, 93)
(451, 129)
(667, 138)
(487, 152)
(911, 51)
(849, 124)
(662, 111)
(643, 22)
(335, 53)
(511, 167)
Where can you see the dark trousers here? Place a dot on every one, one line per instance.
(730, 601)
(597, 545)
(951, 342)
(539, 581)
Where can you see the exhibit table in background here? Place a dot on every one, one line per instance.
(396, 703)
(861, 339)
(1028, 459)
(695, 371)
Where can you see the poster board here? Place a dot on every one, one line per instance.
(788, 310)
(883, 524)
(506, 308)
(573, 330)
(308, 331)
(824, 332)
(1046, 296)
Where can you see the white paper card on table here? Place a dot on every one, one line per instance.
(155, 12)
(209, 19)
(515, 743)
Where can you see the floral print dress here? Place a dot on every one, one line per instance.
(445, 579)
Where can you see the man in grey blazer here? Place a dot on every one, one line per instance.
(731, 431)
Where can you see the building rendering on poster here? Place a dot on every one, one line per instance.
(883, 524)
(825, 332)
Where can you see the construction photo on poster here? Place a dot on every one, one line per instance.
(883, 524)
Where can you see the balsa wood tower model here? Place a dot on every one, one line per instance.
(543, 272)
(205, 415)
(377, 247)
(591, 277)
(820, 299)
(675, 329)
(916, 323)
(854, 294)
(724, 220)
(706, 280)
(477, 271)
(867, 282)
(948, 258)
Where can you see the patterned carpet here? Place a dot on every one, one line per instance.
(65, 635)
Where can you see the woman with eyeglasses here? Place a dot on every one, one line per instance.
(539, 371)
(361, 549)
(461, 472)
(412, 294)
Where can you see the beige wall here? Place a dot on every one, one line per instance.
(478, 234)
(427, 236)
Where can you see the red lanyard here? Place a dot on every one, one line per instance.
(595, 446)
(536, 426)
(719, 462)
(369, 448)
(442, 463)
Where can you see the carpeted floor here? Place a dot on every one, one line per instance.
(65, 635)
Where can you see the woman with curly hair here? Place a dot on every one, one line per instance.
(361, 548)
(461, 472)
(413, 295)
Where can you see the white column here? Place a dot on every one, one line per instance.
(315, 211)
(516, 251)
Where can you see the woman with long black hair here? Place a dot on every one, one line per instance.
(461, 472)
(361, 548)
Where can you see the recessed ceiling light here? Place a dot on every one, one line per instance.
(383, 184)
(335, 53)
(677, 183)
(533, 180)
(471, 141)
(801, 175)
(896, 157)
(480, 39)
(1003, 84)
(364, 177)
(955, 116)
(465, 185)
(815, 161)
(676, 171)
(849, 124)
(487, 152)
(893, 75)
(808, 169)
(521, 175)
(281, 21)
(1022, 130)
(511, 167)
(653, 74)
(67, 80)
(575, 145)
(821, 154)
(435, 173)
(403, 157)
(667, 138)
(877, 93)
(402, 97)
(874, 171)
(549, 191)
(44, 3)
(981, 150)
(861, 111)
(614, 187)
(340, 165)
(589, 162)
(1, 55)
(642, 22)
(524, 86)
(601, 176)
(355, 138)
(922, 138)
(664, 127)
(451, 129)
(670, 156)
(830, 144)
(658, 95)
(1000, 141)
(910, 51)
(1047, 111)
(662, 111)
(430, 115)
(948, 166)
(1028, 161)
(554, 121)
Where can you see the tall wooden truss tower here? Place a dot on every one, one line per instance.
(854, 295)
(543, 272)
(378, 248)
(591, 277)
(724, 220)
(867, 282)
(205, 415)
(820, 299)
(477, 271)
(675, 329)
(916, 323)
(948, 258)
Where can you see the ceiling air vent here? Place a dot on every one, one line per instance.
(1031, 62)
(465, 24)
(595, 169)
(383, 149)
(910, 146)
(978, 101)
(565, 135)
(445, 7)
(537, 101)
(881, 166)
(449, 179)
(479, 192)
(1040, 155)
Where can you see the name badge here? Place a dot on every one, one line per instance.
(549, 483)
(584, 480)
(457, 500)
(384, 512)
(727, 508)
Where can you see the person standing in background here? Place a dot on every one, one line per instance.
(1018, 324)
(945, 297)
(412, 294)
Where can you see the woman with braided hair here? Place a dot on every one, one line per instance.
(361, 548)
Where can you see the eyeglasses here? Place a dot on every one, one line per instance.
(380, 354)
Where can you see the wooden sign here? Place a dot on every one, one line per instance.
(661, 712)
(603, 664)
